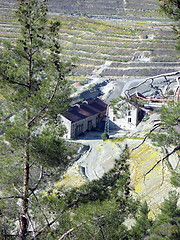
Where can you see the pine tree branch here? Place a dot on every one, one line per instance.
(32, 164)
(49, 224)
(160, 160)
(155, 126)
(162, 174)
(20, 84)
(92, 219)
(10, 236)
(11, 197)
(45, 106)
(16, 189)
(71, 230)
(44, 228)
(39, 180)
(15, 82)
(32, 225)
(46, 219)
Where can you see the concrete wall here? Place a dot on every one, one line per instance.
(67, 124)
(128, 122)
(87, 124)
(84, 125)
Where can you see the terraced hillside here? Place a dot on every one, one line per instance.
(111, 39)
(106, 8)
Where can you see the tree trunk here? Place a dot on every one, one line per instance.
(25, 200)
(24, 222)
(24, 213)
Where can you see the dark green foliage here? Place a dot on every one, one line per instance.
(169, 133)
(172, 9)
(50, 149)
(34, 86)
(167, 223)
(7, 213)
(175, 178)
(97, 209)
(104, 136)
(36, 92)
(142, 225)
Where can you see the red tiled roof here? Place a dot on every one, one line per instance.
(82, 110)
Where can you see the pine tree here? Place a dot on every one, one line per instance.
(33, 84)
(169, 134)
(143, 224)
(167, 223)
(172, 9)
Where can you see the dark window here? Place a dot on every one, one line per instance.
(89, 125)
(129, 120)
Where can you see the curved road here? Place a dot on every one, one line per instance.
(99, 158)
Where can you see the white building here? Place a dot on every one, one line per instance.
(128, 121)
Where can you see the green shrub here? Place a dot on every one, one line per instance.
(104, 136)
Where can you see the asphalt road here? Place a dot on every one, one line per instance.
(100, 157)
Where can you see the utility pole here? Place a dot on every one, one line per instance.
(106, 128)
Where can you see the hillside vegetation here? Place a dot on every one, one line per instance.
(110, 39)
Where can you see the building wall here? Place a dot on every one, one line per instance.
(87, 124)
(67, 124)
(83, 125)
(128, 122)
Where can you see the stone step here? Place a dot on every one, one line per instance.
(137, 72)
(145, 64)
(131, 70)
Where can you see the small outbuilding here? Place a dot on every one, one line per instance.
(84, 116)
(128, 120)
